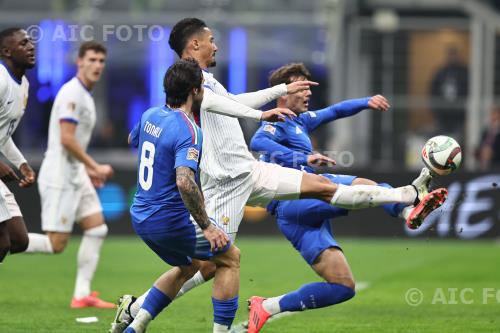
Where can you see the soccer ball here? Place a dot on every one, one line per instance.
(442, 155)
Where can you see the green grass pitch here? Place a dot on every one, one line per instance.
(456, 278)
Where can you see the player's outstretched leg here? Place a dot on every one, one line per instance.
(422, 183)
(365, 196)
(338, 288)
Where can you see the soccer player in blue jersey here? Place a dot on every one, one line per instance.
(169, 145)
(306, 223)
(231, 177)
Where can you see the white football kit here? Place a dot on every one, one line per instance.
(230, 176)
(13, 100)
(66, 192)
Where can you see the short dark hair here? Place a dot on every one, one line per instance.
(285, 73)
(180, 79)
(182, 31)
(6, 33)
(91, 45)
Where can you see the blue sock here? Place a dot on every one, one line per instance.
(225, 311)
(315, 295)
(393, 209)
(155, 301)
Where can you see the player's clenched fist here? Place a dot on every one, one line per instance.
(217, 238)
(379, 102)
(105, 170)
(28, 175)
(278, 114)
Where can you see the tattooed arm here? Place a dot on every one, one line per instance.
(193, 200)
(191, 195)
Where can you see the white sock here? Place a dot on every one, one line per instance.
(218, 328)
(365, 196)
(193, 282)
(39, 243)
(272, 305)
(141, 321)
(136, 306)
(88, 257)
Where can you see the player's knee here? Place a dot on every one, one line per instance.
(189, 271)
(234, 257)
(230, 258)
(20, 244)
(208, 270)
(346, 281)
(349, 283)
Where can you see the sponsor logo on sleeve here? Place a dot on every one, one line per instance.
(270, 128)
(193, 154)
(71, 106)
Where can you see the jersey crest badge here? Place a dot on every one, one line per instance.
(225, 220)
(270, 129)
(193, 154)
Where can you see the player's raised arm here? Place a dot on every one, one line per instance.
(347, 108)
(226, 106)
(259, 98)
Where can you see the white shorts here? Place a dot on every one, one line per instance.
(8, 204)
(61, 208)
(226, 200)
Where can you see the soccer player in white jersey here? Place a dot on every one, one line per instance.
(68, 176)
(17, 54)
(231, 177)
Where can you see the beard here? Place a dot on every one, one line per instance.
(212, 64)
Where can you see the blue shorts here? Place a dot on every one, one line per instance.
(178, 243)
(306, 223)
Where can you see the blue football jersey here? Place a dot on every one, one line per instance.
(166, 139)
(288, 143)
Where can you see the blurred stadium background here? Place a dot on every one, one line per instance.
(438, 62)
